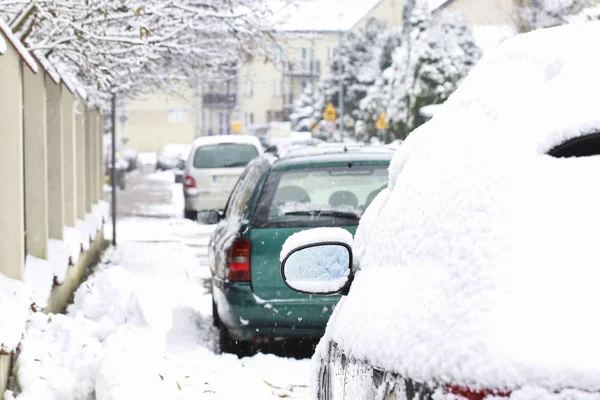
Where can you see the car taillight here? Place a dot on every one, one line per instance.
(190, 182)
(464, 393)
(238, 261)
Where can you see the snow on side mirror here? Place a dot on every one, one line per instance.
(318, 261)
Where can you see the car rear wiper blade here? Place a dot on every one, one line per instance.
(325, 213)
(236, 164)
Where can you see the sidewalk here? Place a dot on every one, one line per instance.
(141, 328)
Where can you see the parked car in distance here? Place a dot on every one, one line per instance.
(474, 274)
(213, 168)
(273, 199)
(170, 155)
(181, 164)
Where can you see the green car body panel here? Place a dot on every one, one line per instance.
(266, 306)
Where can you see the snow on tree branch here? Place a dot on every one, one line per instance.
(128, 45)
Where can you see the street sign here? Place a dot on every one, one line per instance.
(237, 126)
(330, 114)
(381, 122)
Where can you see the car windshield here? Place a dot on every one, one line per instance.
(224, 155)
(319, 196)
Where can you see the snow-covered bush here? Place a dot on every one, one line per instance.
(359, 58)
(435, 55)
(531, 15)
(308, 110)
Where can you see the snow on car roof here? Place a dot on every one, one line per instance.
(247, 139)
(479, 264)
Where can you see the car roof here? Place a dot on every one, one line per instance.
(331, 154)
(219, 139)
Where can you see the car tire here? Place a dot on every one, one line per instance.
(227, 344)
(215, 315)
(190, 214)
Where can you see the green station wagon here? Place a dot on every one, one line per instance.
(323, 186)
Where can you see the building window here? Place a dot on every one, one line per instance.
(248, 88)
(278, 87)
(222, 123)
(279, 55)
(331, 52)
(177, 116)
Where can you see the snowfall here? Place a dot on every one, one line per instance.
(140, 327)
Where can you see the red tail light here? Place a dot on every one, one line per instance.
(190, 182)
(463, 393)
(238, 261)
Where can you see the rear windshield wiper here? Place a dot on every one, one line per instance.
(236, 164)
(325, 213)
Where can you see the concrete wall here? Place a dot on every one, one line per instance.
(12, 241)
(56, 191)
(69, 158)
(50, 169)
(36, 171)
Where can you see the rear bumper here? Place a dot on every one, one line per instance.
(206, 201)
(249, 317)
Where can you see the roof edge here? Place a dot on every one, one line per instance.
(19, 47)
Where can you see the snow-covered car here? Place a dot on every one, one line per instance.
(474, 275)
(170, 155)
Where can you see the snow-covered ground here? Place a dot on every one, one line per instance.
(141, 327)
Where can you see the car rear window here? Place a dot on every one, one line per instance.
(312, 197)
(225, 155)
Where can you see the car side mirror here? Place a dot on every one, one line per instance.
(321, 269)
(209, 217)
(272, 149)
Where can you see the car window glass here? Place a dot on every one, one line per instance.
(328, 196)
(241, 194)
(225, 155)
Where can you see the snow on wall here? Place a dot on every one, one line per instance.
(478, 266)
(58, 257)
(39, 278)
(97, 213)
(15, 308)
(104, 208)
(23, 52)
(72, 238)
(84, 234)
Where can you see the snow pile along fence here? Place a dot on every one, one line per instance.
(15, 309)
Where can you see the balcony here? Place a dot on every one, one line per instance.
(303, 69)
(219, 100)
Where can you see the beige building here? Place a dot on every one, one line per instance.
(260, 91)
(152, 121)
